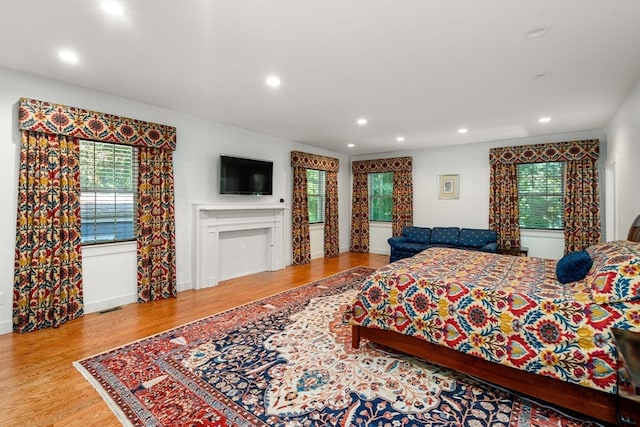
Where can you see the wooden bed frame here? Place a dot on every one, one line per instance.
(588, 401)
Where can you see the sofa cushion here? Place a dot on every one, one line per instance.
(476, 238)
(417, 234)
(411, 247)
(445, 236)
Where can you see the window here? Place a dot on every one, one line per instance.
(108, 187)
(380, 196)
(316, 184)
(541, 195)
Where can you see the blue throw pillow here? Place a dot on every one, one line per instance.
(573, 266)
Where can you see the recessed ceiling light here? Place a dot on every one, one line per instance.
(362, 121)
(112, 8)
(351, 145)
(544, 119)
(400, 139)
(68, 56)
(536, 32)
(463, 130)
(273, 81)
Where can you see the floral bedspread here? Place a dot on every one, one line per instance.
(505, 309)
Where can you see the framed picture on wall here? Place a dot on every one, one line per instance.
(448, 187)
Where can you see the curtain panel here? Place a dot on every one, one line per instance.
(48, 266)
(301, 247)
(504, 212)
(48, 251)
(402, 214)
(156, 245)
(582, 224)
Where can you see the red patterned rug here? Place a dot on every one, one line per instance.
(287, 360)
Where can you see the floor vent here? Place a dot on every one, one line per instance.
(108, 310)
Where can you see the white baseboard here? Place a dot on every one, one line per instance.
(124, 300)
(185, 286)
(6, 327)
(381, 251)
(244, 273)
(107, 304)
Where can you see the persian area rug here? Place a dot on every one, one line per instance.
(287, 361)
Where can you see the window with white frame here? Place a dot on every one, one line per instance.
(108, 188)
(380, 196)
(541, 195)
(316, 197)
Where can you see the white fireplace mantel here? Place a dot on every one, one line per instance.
(253, 222)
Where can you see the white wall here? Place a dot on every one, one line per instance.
(316, 240)
(109, 272)
(471, 163)
(623, 160)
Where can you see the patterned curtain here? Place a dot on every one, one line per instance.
(582, 199)
(48, 253)
(504, 213)
(301, 247)
(359, 213)
(402, 201)
(49, 156)
(581, 204)
(156, 226)
(331, 226)
(402, 215)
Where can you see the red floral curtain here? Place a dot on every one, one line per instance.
(301, 247)
(48, 253)
(48, 273)
(581, 204)
(331, 226)
(359, 213)
(582, 194)
(504, 212)
(156, 226)
(402, 214)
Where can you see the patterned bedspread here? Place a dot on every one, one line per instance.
(505, 309)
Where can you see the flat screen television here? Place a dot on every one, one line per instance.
(245, 176)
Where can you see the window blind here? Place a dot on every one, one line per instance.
(108, 188)
(541, 195)
(316, 184)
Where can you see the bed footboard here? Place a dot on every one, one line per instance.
(577, 398)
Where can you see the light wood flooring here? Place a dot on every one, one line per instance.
(40, 387)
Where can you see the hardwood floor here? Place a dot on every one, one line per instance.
(40, 387)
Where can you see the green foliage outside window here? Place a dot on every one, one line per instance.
(541, 195)
(316, 195)
(380, 196)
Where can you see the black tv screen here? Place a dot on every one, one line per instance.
(245, 176)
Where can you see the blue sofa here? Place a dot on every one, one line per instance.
(416, 239)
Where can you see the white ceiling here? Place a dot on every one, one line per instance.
(417, 68)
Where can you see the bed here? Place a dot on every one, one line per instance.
(508, 320)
